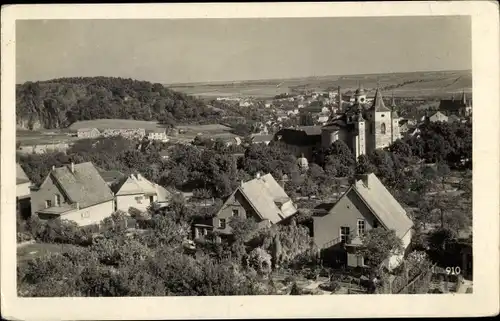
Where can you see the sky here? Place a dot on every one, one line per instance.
(203, 50)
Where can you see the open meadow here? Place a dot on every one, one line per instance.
(115, 124)
(40, 137)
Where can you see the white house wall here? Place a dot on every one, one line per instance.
(124, 202)
(395, 260)
(90, 215)
(23, 189)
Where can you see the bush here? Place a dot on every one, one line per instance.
(23, 237)
(295, 289)
(57, 231)
(332, 286)
(289, 279)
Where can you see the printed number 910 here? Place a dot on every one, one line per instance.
(453, 270)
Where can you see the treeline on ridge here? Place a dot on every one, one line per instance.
(60, 102)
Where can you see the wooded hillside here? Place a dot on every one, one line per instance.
(60, 102)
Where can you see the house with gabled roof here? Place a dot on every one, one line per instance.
(88, 133)
(438, 117)
(459, 107)
(261, 199)
(138, 192)
(23, 192)
(159, 134)
(365, 205)
(75, 192)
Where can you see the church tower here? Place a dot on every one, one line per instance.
(339, 100)
(359, 138)
(360, 95)
(395, 121)
(380, 124)
(463, 108)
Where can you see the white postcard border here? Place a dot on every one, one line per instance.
(485, 67)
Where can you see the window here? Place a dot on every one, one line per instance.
(382, 115)
(58, 200)
(48, 203)
(360, 260)
(375, 224)
(222, 223)
(361, 227)
(138, 199)
(151, 199)
(344, 234)
(236, 212)
(382, 128)
(205, 232)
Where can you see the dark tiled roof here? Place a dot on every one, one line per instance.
(110, 176)
(451, 105)
(300, 136)
(311, 130)
(339, 123)
(85, 186)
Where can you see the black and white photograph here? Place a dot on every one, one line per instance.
(245, 156)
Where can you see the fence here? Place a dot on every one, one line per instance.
(412, 281)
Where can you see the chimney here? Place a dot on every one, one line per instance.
(77, 205)
(53, 167)
(362, 177)
(257, 175)
(72, 167)
(242, 182)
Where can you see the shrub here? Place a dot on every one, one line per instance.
(332, 286)
(23, 237)
(289, 279)
(295, 289)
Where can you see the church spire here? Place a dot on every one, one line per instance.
(378, 102)
(394, 113)
(339, 98)
(464, 99)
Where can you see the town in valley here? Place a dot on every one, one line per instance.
(321, 185)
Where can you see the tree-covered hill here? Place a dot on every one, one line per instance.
(60, 102)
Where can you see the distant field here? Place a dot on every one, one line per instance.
(415, 84)
(27, 137)
(214, 130)
(115, 124)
